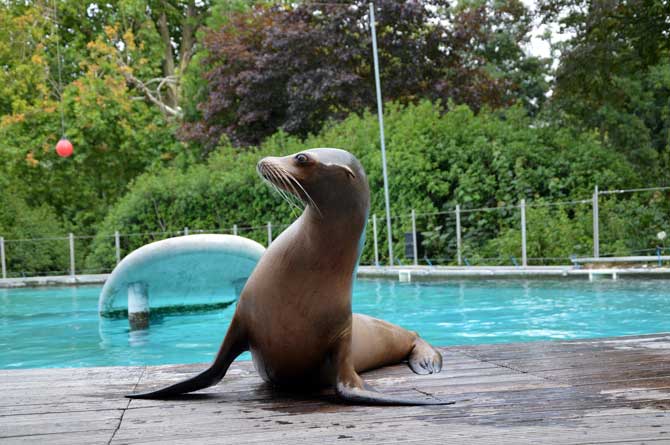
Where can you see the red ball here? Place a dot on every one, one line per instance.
(64, 148)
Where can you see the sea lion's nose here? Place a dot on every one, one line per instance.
(262, 165)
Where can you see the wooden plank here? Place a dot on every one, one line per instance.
(50, 423)
(96, 436)
(600, 427)
(601, 391)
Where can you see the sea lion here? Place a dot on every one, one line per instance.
(294, 313)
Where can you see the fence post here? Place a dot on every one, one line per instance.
(117, 244)
(72, 255)
(524, 257)
(185, 231)
(2, 257)
(414, 247)
(374, 236)
(269, 233)
(596, 228)
(458, 235)
(235, 229)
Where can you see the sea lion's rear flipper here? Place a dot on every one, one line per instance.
(351, 388)
(233, 345)
(365, 395)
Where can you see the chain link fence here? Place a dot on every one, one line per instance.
(607, 224)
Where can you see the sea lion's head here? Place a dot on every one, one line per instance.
(327, 180)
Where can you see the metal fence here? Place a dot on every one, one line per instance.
(506, 234)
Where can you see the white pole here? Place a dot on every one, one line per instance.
(71, 255)
(380, 114)
(138, 306)
(596, 228)
(2, 257)
(374, 236)
(235, 229)
(415, 250)
(458, 235)
(117, 244)
(269, 233)
(185, 231)
(524, 258)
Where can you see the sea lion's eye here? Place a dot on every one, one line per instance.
(301, 158)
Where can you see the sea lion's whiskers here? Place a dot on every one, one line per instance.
(296, 195)
(267, 176)
(276, 177)
(292, 191)
(288, 197)
(295, 200)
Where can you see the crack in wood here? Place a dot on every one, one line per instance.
(123, 410)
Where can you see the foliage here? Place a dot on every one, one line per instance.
(435, 161)
(115, 136)
(631, 224)
(216, 196)
(554, 233)
(614, 74)
(19, 224)
(490, 160)
(467, 121)
(293, 67)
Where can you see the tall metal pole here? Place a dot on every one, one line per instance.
(458, 235)
(596, 228)
(235, 229)
(524, 258)
(269, 233)
(380, 114)
(415, 250)
(374, 236)
(2, 257)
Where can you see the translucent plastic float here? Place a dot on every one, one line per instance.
(178, 274)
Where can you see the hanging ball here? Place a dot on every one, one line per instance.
(64, 148)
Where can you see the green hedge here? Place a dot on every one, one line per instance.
(435, 160)
(29, 245)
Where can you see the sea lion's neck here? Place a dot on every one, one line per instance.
(335, 233)
(350, 220)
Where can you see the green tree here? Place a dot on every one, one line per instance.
(116, 136)
(293, 67)
(614, 75)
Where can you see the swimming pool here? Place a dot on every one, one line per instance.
(59, 327)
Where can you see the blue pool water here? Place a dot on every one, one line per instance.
(59, 327)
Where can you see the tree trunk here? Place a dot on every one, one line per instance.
(189, 25)
(170, 98)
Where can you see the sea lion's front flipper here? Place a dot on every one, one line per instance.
(233, 345)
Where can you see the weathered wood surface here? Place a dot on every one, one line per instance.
(590, 391)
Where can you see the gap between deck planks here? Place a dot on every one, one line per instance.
(614, 390)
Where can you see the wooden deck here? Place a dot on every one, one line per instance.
(607, 391)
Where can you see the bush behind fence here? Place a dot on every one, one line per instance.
(514, 234)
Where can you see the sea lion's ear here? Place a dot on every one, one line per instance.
(348, 170)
